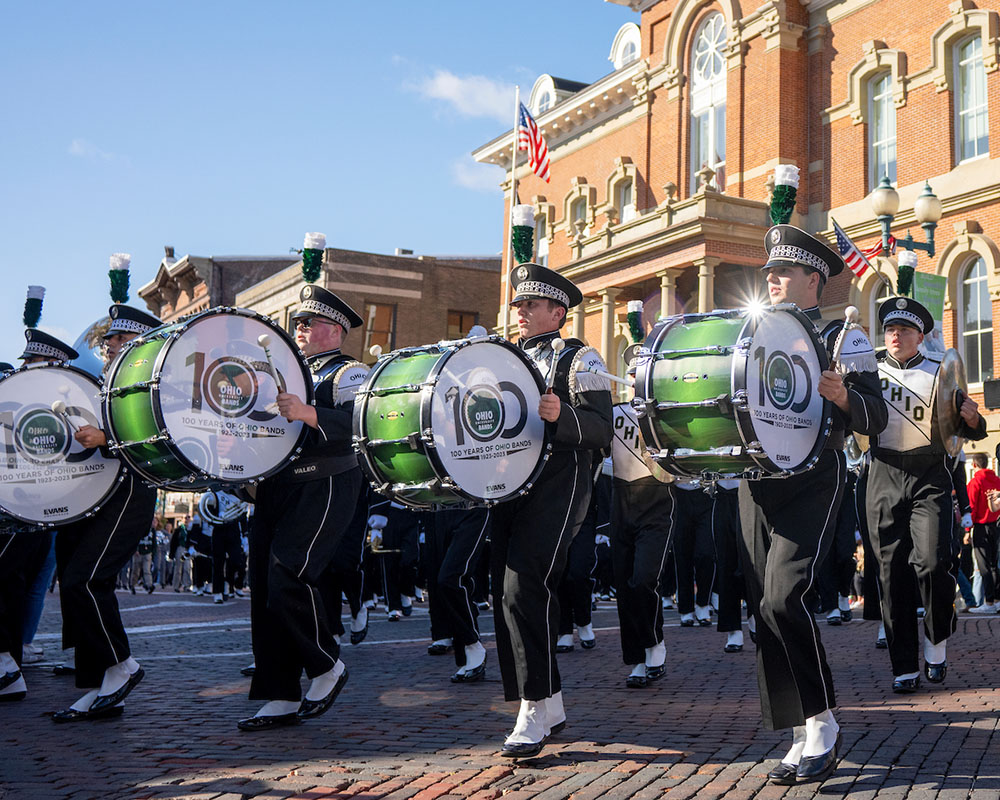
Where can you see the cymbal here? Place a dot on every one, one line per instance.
(952, 389)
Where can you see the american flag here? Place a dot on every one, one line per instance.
(849, 251)
(530, 138)
(876, 249)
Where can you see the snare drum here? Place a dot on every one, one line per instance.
(733, 394)
(191, 405)
(452, 424)
(46, 476)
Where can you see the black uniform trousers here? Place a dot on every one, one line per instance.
(227, 556)
(984, 546)
(694, 552)
(910, 518)
(729, 580)
(344, 577)
(453, 546)
(870, 581)
(295, 532)
(89, 555)
(399, 569)
(576, 589)
(836, 573)
(643, 514)
(21, 556)
(787, 528)
(530, 541)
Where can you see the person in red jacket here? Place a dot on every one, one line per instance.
(985, 531)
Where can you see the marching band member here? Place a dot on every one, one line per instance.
(642, 520)
(909, 504)
(728, 577)
(788, 524)
(91, 552)
(300, 515)
(531, 534)
(22, 550)
(576, 590)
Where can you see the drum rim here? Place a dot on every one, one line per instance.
(445, 351)
(119, 477)
(173, 330)
(744, 420)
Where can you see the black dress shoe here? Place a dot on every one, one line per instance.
(564, 648)
(935, 672)
(637, 682)
(753, 636)
(108, 700)
(881, 643)
(783, 774)
(655, 673)
(733, 648)
(263, 723)
(249, 671)
(687, 623)
(821, 767)
(72, 715)
(62, 670)
(473, 675)
(9, 678)
(588, 644)
(313, 708)
(407, 610)
(521, 749)
(834, 620)
(11, 697)
(436, 649)
(847, 615)
(705, 623)
(357, 637)
(906, 685)
(558, 727)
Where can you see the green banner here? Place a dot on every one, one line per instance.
(929, 290)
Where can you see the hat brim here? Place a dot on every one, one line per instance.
(532, 296)
(904, 322)
(354, 320)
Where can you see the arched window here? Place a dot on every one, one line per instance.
(544, 103)
(629, 53)
(971, 106)
(878, 296)
(881, 130)
(541, 241)
(578, 211)
(976, 324)
(708, 100)
(625, 200)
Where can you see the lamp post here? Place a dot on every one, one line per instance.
(927, 209)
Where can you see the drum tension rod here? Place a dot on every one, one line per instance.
(722, 402)
(710, 350)
(412, 440)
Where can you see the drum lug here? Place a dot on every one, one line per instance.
(740, 400)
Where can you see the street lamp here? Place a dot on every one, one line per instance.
(927, 209)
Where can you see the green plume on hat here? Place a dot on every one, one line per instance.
(786, 187)
(634, 318)
(907, 264)
(33, 306)
(522, 233)
(312, 256)
(119, 277)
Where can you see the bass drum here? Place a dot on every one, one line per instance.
(46, 477)
(191, 405)
(733, 394)
(453, 424)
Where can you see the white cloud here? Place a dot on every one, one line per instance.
(81, 148)
(478, 177)
(472, 95)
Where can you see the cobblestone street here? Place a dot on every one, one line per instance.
(402, 730)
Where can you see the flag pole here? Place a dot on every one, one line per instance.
(505, 311)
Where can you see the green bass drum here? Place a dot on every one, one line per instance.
(451, 425)
(733, 394)
(191, 405)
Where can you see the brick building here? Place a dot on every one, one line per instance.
(405, 300)
(661, 170)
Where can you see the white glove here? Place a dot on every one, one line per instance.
(966, 520)
(377, 521)
(602, 540)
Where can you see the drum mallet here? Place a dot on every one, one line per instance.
(608, 375)
(557, 347)
(376, 351)
(59, 407)
(265, 341)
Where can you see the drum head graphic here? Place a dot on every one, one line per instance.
(46, 476)
(782, 378)
(484, 414)
(216, 396)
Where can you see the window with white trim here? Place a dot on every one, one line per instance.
(976, 323)
(578, 211)
(971, 105)
(629, 53)
(544, 103)
(625, 200)
(881, 130)
(708, 100)
(541, 241)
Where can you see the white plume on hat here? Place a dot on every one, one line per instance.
(120, 260)
(786, 175)
(315, 241)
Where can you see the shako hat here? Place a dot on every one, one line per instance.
(905, 311)
(39, 343)
(533, 281)
(126, 319)
(315, 301)
(787, 245)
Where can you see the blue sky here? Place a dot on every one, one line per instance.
(226, 128)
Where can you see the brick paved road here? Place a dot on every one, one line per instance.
(401, 730)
